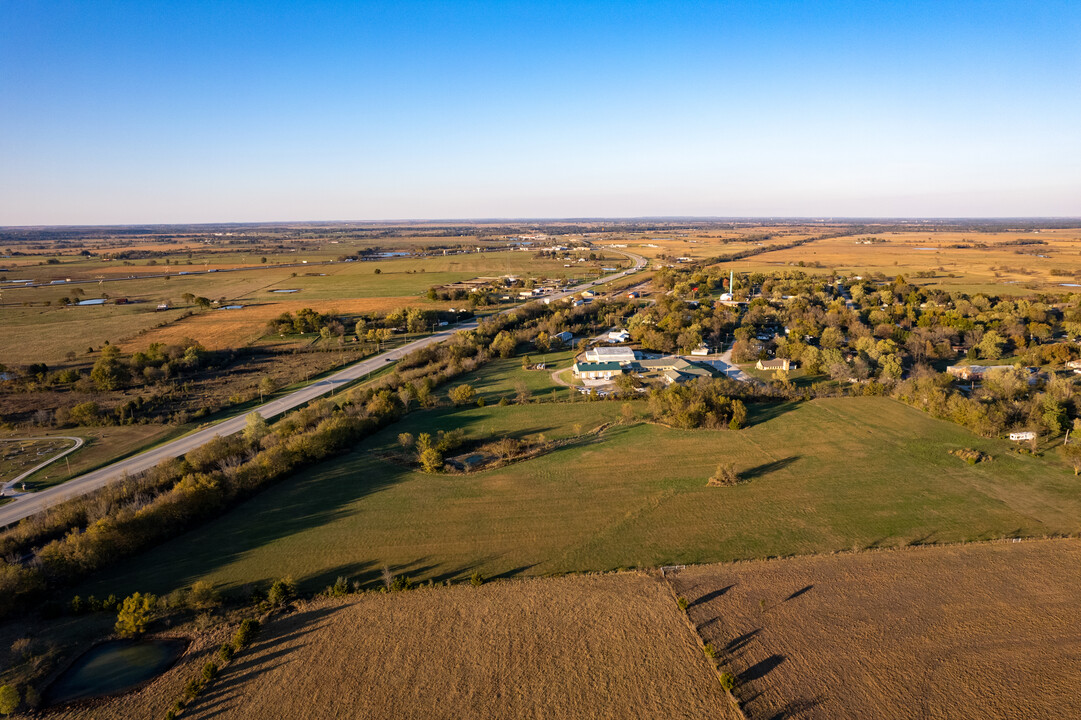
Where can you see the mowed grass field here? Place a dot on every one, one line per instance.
(965, 632)
(610, 646)
(826, 475)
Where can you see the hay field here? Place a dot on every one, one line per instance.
(825, 475)
(997, 268)
(705, 243)
(576, 647)
(964, 632)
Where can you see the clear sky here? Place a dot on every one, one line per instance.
(188, 111)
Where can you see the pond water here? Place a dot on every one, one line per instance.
(113, 667)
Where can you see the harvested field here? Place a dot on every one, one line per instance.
(976, 631)
(609, 646)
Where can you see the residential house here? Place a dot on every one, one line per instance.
(775, 364)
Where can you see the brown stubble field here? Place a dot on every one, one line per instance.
(611, 646)
(960, 632)
(997, 268)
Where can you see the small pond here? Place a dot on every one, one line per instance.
(113, 667)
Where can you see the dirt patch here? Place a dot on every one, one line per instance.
(609, 646)
(973, 631)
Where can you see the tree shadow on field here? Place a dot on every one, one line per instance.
(711, 595)
(799, 592)
(763, 412)
(796, 709)
(265, 654)
(761, 668)
(767, 468)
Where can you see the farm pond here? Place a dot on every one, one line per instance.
(113, 667)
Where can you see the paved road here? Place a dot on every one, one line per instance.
(78, 444)
(31, 503)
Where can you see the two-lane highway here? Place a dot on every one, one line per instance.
(30, 503)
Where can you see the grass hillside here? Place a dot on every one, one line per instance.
(819, 476)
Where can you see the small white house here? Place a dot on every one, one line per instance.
(563, 337)
(701, 350)
(618, 336)
(1021, 436)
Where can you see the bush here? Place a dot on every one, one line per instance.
(725, 475)
(226, 652)
(245, 634)
(476, 579)
(729, 682)
(971, 456)
(683, 604)
(9, 699)
(210, 671)
(134, 614)
(281, 592)
(709, 651)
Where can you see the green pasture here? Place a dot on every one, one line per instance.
(826, 475)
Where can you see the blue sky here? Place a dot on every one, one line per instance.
(227, 111)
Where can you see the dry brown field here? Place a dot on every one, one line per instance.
(705, 243)
(611, 646)
(996, 268)
(959, 632)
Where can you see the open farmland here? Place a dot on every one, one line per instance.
(39, 333)
(611, 646)
(577, 647)
(988, 262)
(963, 632)
(825, 475)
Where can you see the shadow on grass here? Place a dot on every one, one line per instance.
(767, 468)
(763, 412)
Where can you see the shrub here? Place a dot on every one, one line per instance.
(281, 592)
(210, 671)
(9, 699)
(226, 652)
(245, 634)
(682, 602)
(970, 456)
(134, 614)
(709, 651)
(729, 682)
(724, 475)
(476, 579)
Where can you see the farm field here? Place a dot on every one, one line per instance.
(1049, 266)
(576, 647)
(821, 476)
(964, 632)
(39, 333)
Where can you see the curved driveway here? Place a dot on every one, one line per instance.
(31, 503)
